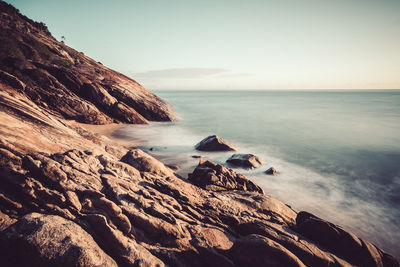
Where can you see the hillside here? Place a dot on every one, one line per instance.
(65, 81)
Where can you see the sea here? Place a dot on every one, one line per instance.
(337, 152)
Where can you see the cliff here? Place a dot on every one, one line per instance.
(66, 82)
(72, 198)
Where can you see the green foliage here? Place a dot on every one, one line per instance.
(64, 63)
(9, 9)
(10, 47)
(40, 48)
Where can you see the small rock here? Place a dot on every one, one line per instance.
(271, 171)
(196, 156)
(248, 161)
(214, 143)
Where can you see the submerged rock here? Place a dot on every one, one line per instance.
(213, 176)
(248, 161)
(271, 171)
(214, 143)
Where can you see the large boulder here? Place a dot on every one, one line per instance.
(48, 240)
(342, 242)
(146, 163)
(214, 143)
(213, 176)
(248, 161)
(257, 250)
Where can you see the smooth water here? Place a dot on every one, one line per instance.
(338, 152)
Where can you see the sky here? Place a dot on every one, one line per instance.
(234, 44)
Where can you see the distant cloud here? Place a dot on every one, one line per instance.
(234, 75)
(180, 73)
(193, 78)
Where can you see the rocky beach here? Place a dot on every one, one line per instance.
(71, 196)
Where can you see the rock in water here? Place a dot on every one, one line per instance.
(214, 143)
(216, 177)
(248, 161)
(271, 171)
(48, 240)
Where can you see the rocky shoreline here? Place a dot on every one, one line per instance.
(69, 197)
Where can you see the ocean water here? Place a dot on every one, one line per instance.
(337, 152)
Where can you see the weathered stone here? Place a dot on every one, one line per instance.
(248, 161)
(127, 250)
(214, 143)
(216, 177)
(146, 163)
(340, 241)
(256, 250)
(47, 240)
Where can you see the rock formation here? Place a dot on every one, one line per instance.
(214, 143)
(247, 161)
(69, 197)
(216, 177)
(67, 83)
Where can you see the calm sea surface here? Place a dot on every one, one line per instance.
(338, 153)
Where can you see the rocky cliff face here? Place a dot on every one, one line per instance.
(72, 198)
(66, 82)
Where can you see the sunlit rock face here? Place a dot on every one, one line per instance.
(67, 82)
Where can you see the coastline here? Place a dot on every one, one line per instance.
(178, 158)
(147, 214)
(108, 130)
(79, 194)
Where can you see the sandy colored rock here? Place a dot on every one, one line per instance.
(47, 240)
(341, 242)
(256, 250)
(146, 163)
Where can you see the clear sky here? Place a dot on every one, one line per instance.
(234, 44)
